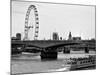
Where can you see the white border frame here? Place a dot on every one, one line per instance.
(5, 36)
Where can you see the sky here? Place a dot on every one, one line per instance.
(60, 18)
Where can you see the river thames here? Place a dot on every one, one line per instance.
(32, 63)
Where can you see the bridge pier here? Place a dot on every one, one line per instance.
(86, 50)
(49, 54)
(66, 50)
(16, 49)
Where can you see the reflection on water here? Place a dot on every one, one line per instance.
(31, 63)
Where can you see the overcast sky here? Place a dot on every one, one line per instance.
(61, 18)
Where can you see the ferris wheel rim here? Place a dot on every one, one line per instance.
(36, 22)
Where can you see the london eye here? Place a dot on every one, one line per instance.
(35, 26)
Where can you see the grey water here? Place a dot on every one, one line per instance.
(32, 63)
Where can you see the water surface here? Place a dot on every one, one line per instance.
(32, 63)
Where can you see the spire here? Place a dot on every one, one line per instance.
(70, 36)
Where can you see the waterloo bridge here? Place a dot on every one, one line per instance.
(50, 48)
